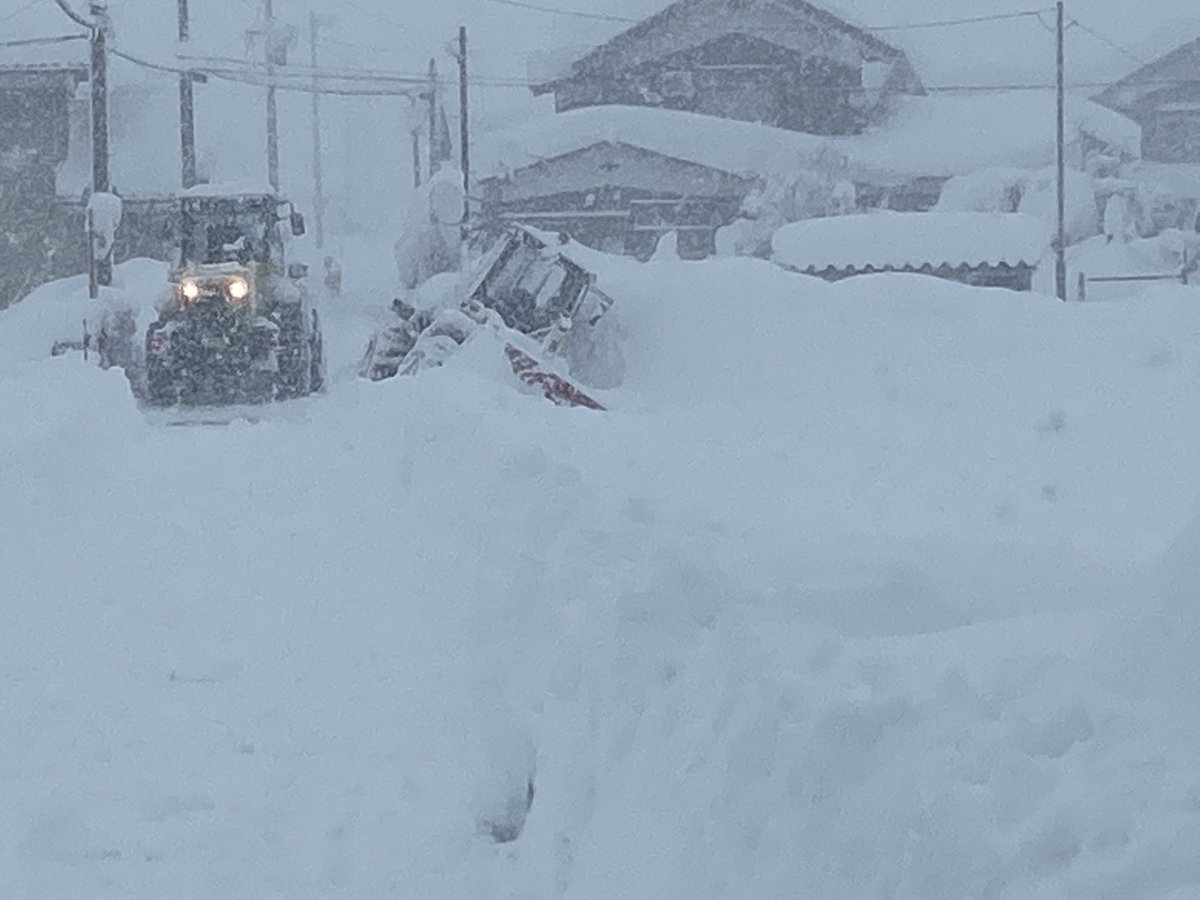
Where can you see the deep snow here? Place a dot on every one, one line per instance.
(858, 590)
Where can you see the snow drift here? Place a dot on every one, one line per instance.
(853, 592)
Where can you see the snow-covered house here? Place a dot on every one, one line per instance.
(785, 63)
(1164, 98)
(619, 177)
(982, 249)
(35, 103)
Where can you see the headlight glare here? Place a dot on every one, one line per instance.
(238, 289)
(189, 289)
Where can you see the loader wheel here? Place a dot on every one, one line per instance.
(295, 360)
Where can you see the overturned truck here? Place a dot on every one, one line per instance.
(539, 297)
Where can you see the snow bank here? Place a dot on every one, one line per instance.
(910, 239)
(56, 311)
(846, 596)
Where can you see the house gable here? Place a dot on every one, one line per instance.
(792, 29)
(1163, 75)
(616, 165)
(1164, 98)
(793, 24)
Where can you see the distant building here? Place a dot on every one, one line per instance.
(784, 63)
(981, 249)
(1164, 98)
(618, 178)
(35, 102)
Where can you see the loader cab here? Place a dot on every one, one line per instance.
(244, 229)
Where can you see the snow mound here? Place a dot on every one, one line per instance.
(855, 590)
(56, 311)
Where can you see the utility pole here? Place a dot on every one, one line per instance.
(187, 113)
(433, 92)
(416, 155)
(99, 84)
(318, 185)
(1060, 240)
(464, 131)
(272, 114)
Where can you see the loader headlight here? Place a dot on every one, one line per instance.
(238, 288)
(189, 289)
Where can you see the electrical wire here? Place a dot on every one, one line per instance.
(1104, 39)
(22, 9)
(299, 79)
(72, 15)
(37, 42)
(558, 11)
(948, 23)
(943, 23)
(249, 77)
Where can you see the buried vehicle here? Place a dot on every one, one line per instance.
(539, 298)
(237, 323)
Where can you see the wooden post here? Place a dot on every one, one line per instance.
(99, 79)
(1060, 241)
(464, 133)
(1082, 287)
(416, 156)
(93, 280)
(187, 113)
(272, 112)
(433, 90)
(318, 181)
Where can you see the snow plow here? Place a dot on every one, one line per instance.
(541, 302)
(236, 324)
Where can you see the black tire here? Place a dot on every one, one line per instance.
(295, 357)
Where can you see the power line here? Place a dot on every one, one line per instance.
(23, 9)
(72, 15)
(231, 65)
(290, 79)
(947, 23)
(943, 23)
(565, 12)
(249, 77)
(1104, 39)
(60, 39)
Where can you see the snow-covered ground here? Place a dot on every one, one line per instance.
(874, 589)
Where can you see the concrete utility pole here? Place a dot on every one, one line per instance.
(272, 113)
(464, 131)
(1060, 240)
(99, 84)
(187, 110)
(318, 183)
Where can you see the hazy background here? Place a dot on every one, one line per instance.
(367, 159)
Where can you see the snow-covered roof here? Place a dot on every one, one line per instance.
(898, 240)
(229, 189)
(686, 24)
(940, 135)
(45, 57)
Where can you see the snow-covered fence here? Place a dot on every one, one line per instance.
(1183, 276)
